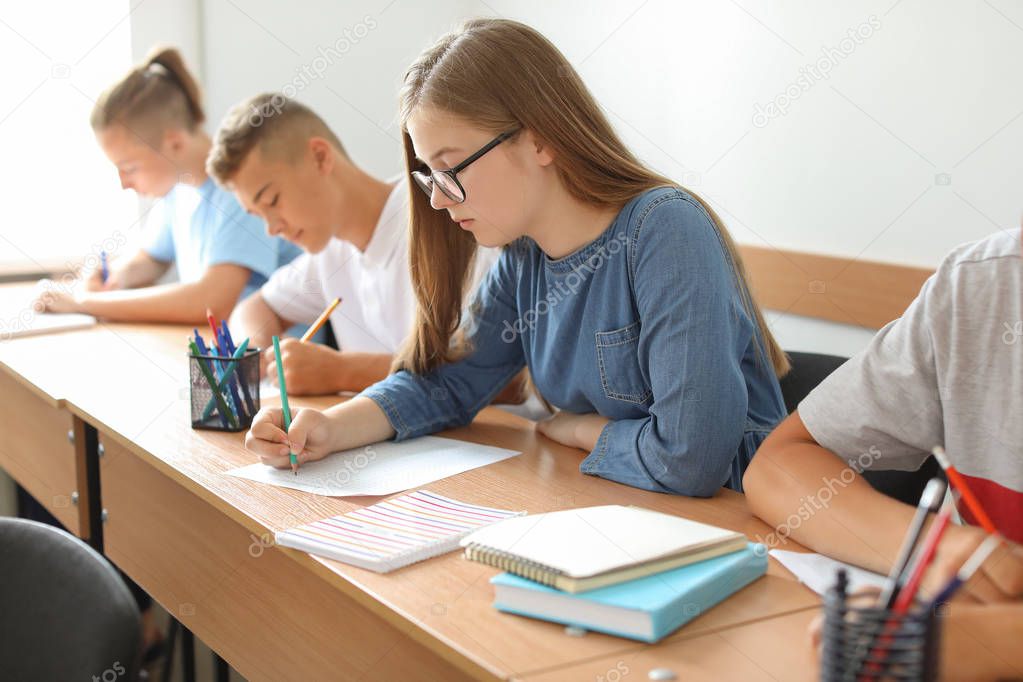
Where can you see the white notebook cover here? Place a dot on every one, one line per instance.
(594, 540)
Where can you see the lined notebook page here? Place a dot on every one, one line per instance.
(394, 533)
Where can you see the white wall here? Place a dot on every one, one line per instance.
(61, 201)
(909, 146)
(345, 60)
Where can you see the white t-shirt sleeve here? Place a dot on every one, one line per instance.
(295, 290)
(882, 409)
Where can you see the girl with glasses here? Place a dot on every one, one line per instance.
(620, 291)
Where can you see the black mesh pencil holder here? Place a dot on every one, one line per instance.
(224, 391)
(870, 643)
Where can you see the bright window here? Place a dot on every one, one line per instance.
(62, 201)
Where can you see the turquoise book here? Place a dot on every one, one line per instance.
(646, 609)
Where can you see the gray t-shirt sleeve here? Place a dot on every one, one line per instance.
(882, 409)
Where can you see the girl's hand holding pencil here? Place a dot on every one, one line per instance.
(308, 437)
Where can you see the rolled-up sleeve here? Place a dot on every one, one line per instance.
(452, 394)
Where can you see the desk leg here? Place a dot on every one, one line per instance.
(187, 654)
(90, 501)
(222, 669)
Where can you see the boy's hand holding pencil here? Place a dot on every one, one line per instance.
(999, 579)
(309, 368)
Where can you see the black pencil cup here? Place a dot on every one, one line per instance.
(861, 642)
(224, 392)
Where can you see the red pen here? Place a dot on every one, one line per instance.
(213, 328)
(959, 483)
(927, 551)
(905, 599)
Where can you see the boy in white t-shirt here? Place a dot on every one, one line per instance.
(284, 164)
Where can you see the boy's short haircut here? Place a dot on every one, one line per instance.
(279, 126)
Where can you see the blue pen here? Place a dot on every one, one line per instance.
(232, 387)
(229, 346)
(219, 373)
(227, 334)
(971, 566)
(201, 346)
(104, 271)
(228, 376)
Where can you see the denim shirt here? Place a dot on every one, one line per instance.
(644, 326)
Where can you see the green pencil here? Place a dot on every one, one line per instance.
(221, 405)
(284, 401)
(238, 354)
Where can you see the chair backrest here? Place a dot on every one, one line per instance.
(808, 370)
(65, 611)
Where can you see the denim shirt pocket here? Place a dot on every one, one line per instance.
(618, 359)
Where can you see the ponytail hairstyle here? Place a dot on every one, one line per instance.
(502, 75)
(156, 95)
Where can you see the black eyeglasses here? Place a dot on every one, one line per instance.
(447, 180)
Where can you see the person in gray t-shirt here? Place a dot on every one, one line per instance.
(949, 372)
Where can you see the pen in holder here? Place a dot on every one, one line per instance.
(873, 643)
(224, 389)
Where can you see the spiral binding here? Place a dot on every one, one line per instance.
(506, 561)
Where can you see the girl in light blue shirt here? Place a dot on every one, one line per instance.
(148, 124)
(620, 292)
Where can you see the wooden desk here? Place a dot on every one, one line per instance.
(43, 446)
(772, 649)
(198, 540)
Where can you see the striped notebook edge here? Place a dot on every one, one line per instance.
(394, 533)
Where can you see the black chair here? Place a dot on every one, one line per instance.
(810, 369)
(65, 611)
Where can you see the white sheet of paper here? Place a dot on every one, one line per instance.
(817, 571)
(381, 468)
(268, 390)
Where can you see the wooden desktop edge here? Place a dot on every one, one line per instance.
(637, 646)
(51, 401)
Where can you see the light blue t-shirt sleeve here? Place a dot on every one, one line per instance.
(161, 243)
(241, 239)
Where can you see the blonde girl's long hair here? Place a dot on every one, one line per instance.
(157, 94)
(502, 75)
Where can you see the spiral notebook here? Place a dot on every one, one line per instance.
(584, 549)
(393, 533)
